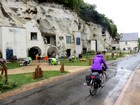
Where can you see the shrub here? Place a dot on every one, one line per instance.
(7, 86)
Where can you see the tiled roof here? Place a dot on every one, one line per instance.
(129, 37)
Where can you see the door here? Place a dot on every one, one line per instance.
(68, 52)
(9, 53)
(94, 45)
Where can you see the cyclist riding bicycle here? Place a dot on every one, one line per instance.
(97, 66)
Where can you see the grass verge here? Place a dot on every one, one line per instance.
(13, 65)
(17, 80)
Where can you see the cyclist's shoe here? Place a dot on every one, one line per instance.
(85, 84)
(88, 84)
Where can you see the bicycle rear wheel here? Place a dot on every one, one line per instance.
(92, 90)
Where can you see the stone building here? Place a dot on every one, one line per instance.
(129, 42)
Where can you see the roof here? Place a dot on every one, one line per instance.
(129, 37)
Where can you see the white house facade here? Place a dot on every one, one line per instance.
(13, 42)
(34, 40)
(130, 45)
(29, 41)
(129, 42)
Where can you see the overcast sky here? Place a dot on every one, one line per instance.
(124, 13)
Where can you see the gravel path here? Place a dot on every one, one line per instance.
(44, 66)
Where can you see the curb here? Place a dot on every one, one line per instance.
(119, 100)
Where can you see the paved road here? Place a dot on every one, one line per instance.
(71, 91)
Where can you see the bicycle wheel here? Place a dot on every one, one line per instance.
(92, 90)
(103, 79)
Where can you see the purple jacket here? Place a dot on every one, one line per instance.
(97, 62)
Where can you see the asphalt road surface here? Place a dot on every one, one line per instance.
(71, 91)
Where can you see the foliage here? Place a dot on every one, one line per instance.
(68, 3)
(91, 15)
(7, 86)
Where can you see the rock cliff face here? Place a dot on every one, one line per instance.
(51, 20)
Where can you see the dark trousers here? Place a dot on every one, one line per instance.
(99, 71)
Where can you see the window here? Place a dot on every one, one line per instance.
(129, 48)
(124, 49)
(61, 37)
(113, 48)
(33, 36)
(77, 40)
(103, 32)
(47, 40)
(68, 39)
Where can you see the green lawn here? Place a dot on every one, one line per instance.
(17, 80)
(26, 78)
(86, 63)
(75, 63)
(12, 65)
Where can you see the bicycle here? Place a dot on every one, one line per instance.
(97, 81)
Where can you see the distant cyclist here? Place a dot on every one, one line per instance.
(97, 65)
